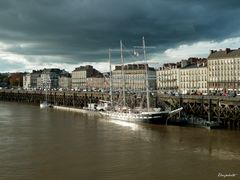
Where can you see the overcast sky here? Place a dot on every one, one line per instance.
(68, 33)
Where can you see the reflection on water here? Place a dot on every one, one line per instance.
(49, 144)
(132, 126)
(147, 132)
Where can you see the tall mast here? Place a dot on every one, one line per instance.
(146, 71)
(46, 94)
(110, 74)
(123, 74)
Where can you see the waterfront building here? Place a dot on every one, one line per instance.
(39, 83)
(27, 81)
(106, 76)
(168, 77)
(224, 71)
(187, 76)
(65, 81)
(30, 80)
(49, 78)
(96, 83)
(193, 79)
(134, 76)
(34, 76)
(81, 74)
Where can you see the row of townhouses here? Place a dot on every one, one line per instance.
(185, 77)
(220, 72)
(47, 78)
(86, 77)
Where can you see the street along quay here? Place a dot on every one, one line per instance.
(225, 110)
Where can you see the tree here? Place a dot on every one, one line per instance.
(4, 79)
(16, 79)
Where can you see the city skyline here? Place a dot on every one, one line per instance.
(66, 34)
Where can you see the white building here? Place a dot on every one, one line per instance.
(30, 79)
(27, 81)
(187, 76)
(81, 74)
(134, 76)
(193, 79)
(224, 71)
(97, 83)
(168, 78)
(39, 83)
(49, 78)
(65, 82)
(34, 76)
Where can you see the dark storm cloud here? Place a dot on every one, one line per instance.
(83, 30)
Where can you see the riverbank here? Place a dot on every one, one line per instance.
(219, 109)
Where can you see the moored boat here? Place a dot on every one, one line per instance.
(211, 125)
(124, 113)
(160, 117)
(45, 104)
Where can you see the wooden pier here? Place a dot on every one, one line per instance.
(213, 108)
(71, 99)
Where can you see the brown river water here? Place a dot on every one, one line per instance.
(45, 144)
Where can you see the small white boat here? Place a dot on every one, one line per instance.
(45, 105)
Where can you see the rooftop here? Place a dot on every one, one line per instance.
(83, 68)
(133, 67)
(227, 53)
(190, 66)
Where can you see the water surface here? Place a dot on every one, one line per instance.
(58, 145)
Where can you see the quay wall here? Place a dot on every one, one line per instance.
(214, 108)
(71, 99)
(225, 110)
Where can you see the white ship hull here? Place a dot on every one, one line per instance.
(132, 117)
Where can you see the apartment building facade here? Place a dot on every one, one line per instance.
(187, 76)
(27, 81)
(224, 70)
(65, 81)
(49, 78)
(167, 77)
(193, 79)
(81, 77)
(30, 79)
(97, 83)
(134, 76)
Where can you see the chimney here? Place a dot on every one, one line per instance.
(184, 63)
(227, 50)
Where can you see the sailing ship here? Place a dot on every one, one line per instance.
(124, 113)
